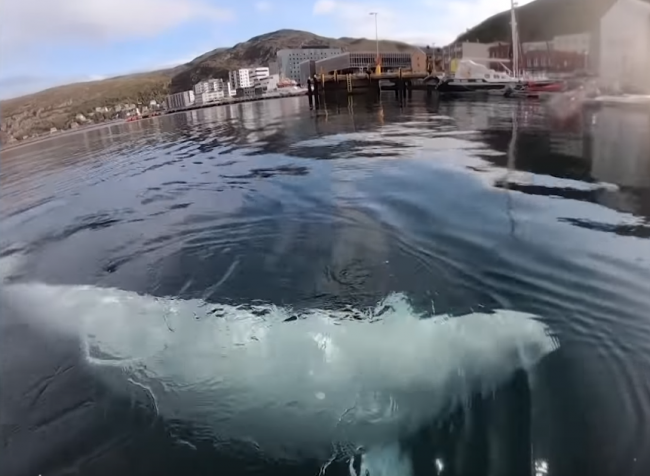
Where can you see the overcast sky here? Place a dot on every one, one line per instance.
(51, 42)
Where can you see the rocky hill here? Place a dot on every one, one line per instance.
(73, 105)
(70, 106)
(541, 20)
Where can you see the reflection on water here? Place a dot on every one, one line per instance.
(620, 147)
(463, 206)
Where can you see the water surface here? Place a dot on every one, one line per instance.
(462, 206)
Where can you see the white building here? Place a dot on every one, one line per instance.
(212, 90)
(242, 78)
(536, 46)
(625, 46)
(261, 72)
(180, 100)
(270, 83)
(478, 52)
(289, 60)
(576, 43)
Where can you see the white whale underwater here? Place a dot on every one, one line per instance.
(313, 382)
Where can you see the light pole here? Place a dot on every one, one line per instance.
(376, 37)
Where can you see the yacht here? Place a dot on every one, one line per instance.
(472, 77)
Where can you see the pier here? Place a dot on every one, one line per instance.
(402, 82)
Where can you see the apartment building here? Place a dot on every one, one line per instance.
(180, 100)
(261, 72)
(289, 60)
(242, 78)
(212, 90)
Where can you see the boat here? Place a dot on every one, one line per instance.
(535, 89)
(470, 76)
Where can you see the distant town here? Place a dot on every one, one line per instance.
(288, 74)
(615, 51)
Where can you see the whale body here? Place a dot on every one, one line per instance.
(320, 383)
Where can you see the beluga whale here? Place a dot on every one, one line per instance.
(337, 385)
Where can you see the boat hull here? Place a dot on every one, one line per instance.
(472, 87)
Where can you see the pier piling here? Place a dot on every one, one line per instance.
(310, 94)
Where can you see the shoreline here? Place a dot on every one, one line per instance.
(37, 139)
(232, 101)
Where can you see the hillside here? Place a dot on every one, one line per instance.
(541, 20)
(59, 108)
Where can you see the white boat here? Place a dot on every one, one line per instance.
(474, 77)
(470, 76)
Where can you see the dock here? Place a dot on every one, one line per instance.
(402, 82)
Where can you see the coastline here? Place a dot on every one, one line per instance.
(45, 137)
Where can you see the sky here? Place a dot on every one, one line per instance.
(45, 43)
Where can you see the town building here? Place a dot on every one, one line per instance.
(270, 82)
(260, 73)
(248, 77)
(274, 67)
(180, 100)
(576, 43)
(625, 46)
(365, 61)
(242, 78)
(212, 90)
(536, 46)
(419, 62)
(477, 52)
(249, 92)
(538, 56)
(555, 61)
(289, 59)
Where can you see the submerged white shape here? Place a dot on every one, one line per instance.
(388, 460)
(243, 372)
(440, 465)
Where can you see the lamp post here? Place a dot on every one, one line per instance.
(376, 37)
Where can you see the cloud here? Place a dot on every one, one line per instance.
(263, 6)
(29, 23)
(421, 22)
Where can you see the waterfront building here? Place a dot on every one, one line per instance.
(625, 46)
(180, 100)
(288, 60)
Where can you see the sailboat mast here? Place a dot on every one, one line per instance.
(515, 39)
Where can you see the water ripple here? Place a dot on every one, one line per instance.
(461, 205)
